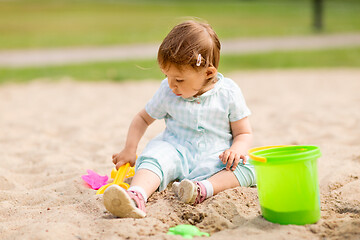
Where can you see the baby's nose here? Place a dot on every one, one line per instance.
(172, 84)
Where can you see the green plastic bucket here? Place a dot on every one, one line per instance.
(287, 183)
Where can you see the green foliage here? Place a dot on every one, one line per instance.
(345, 57)
(55, 23)
(114, 71)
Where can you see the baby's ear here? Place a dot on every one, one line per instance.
(211, 72)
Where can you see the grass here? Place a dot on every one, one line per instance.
(330, 58)
(148, 69)
(55, 23)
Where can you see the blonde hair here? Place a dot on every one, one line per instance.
(185, 42)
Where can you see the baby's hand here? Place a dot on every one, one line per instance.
(124, 157)
(231, 158)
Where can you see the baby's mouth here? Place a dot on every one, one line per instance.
(177, 94)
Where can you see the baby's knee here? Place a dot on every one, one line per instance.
(245, 174)
(151, 165)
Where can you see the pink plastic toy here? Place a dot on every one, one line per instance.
(95, 180)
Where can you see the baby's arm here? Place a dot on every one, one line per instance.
(242, 138)
(137, 129)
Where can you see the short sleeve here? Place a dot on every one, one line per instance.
(237, 105)
(156, 107)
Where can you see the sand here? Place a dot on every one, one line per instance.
(51, 133)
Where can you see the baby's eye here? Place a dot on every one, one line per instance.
(179, 80)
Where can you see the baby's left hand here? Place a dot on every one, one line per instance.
(231, 159)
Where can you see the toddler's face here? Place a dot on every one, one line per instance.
(187, 82)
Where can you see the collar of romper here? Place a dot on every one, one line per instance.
(216, 88)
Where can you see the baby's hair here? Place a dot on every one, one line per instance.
(190, 43)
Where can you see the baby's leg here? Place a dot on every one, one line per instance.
(147, 180)
(243, 175)
(197, 192)
(225, 179)
(131, 203)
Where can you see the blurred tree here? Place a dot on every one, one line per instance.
(318, 15)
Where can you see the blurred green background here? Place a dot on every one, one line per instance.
(29, 24)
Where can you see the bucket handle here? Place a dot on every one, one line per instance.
(262, 159)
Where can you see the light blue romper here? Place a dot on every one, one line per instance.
(197, 132)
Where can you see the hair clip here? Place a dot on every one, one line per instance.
(198, 61)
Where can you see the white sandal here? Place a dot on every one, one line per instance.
(190, 192)
(124, 204)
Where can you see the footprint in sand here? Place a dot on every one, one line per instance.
(5, 184)
(350, 191)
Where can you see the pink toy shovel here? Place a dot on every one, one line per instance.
(123, 172)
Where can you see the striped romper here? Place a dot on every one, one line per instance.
(197, 132)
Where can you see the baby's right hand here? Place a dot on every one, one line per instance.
(124, 157)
